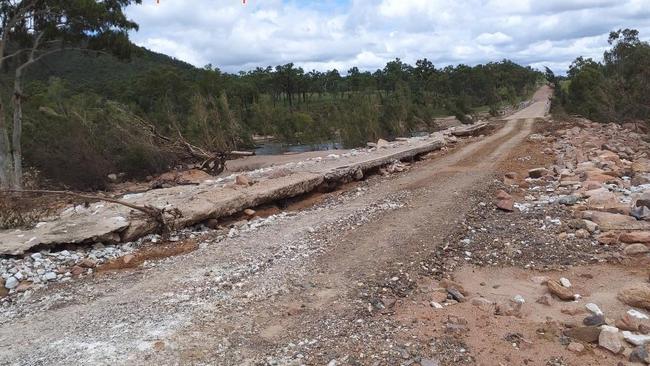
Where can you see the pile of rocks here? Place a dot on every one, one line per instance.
(629, 335)
(37, 269)
(603, 173)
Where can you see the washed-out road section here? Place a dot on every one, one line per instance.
(242, 300)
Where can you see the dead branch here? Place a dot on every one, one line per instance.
(155, 213)
(211, 162)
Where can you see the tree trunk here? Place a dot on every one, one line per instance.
(6, 167)
(18, 131)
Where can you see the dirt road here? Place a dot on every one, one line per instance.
(299, 289)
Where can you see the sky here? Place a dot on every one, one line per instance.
(340, 34)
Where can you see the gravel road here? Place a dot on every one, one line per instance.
(294, 289)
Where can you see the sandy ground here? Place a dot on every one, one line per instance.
(312, 287)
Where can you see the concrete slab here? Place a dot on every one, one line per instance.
(216, 198)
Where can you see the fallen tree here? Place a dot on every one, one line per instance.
(158, 215)
(212, 162)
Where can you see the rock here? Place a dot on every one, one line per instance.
(242, 180)
(635, 237)
(510, 308)
(594, 320)
(519, 299)
(249, 212)
(640, 213)
(49, 276)
(636, 296)
(569, 200)
(576, 347)
(482, 303)
(24, 286)
(565, 282)
(582, 234)
(455, 294)
(435, 305)
(212, 223)
(609, 339)
(591, 226)
(537, 172)
(644, 200)
(636, 339)
(381, 143)
(112, 177)
(636, 249)
(77, 270)
(594, 309)
(505, 201)
(87, 263)
(612, 221)
(560, 291)
(583, 334)
(447, 284)
(640, 355)
(608, 238)
(11, 283)
(633, 320)
(510, 178)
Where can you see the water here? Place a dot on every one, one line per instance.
(278, 148)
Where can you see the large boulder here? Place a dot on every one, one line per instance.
(635, 237)
(613, 221)
(637, 296)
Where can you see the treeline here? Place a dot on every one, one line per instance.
(616, 89)
(79, 116)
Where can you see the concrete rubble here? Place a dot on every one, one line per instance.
(110, 223)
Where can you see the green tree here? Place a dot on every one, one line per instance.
(33, 29)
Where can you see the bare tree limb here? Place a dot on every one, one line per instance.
(157, 214)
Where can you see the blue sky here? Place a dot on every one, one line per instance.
(368, 33)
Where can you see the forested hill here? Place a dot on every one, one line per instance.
(91, 70)
(93, 105)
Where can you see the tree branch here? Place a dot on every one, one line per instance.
(155, 213)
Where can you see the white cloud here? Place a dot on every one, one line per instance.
(368, 33)
(493, 38)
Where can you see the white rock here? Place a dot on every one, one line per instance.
(50, 276)
(565, 282)
(594, 309)
(636, 339)
(637, 314)
(435, 305)
(519, 299)
(609, 339)
(11, 282)
(233, 232)
(36, 256)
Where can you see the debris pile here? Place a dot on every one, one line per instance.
(603, 173)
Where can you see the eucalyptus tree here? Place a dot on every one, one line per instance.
(30, 30)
